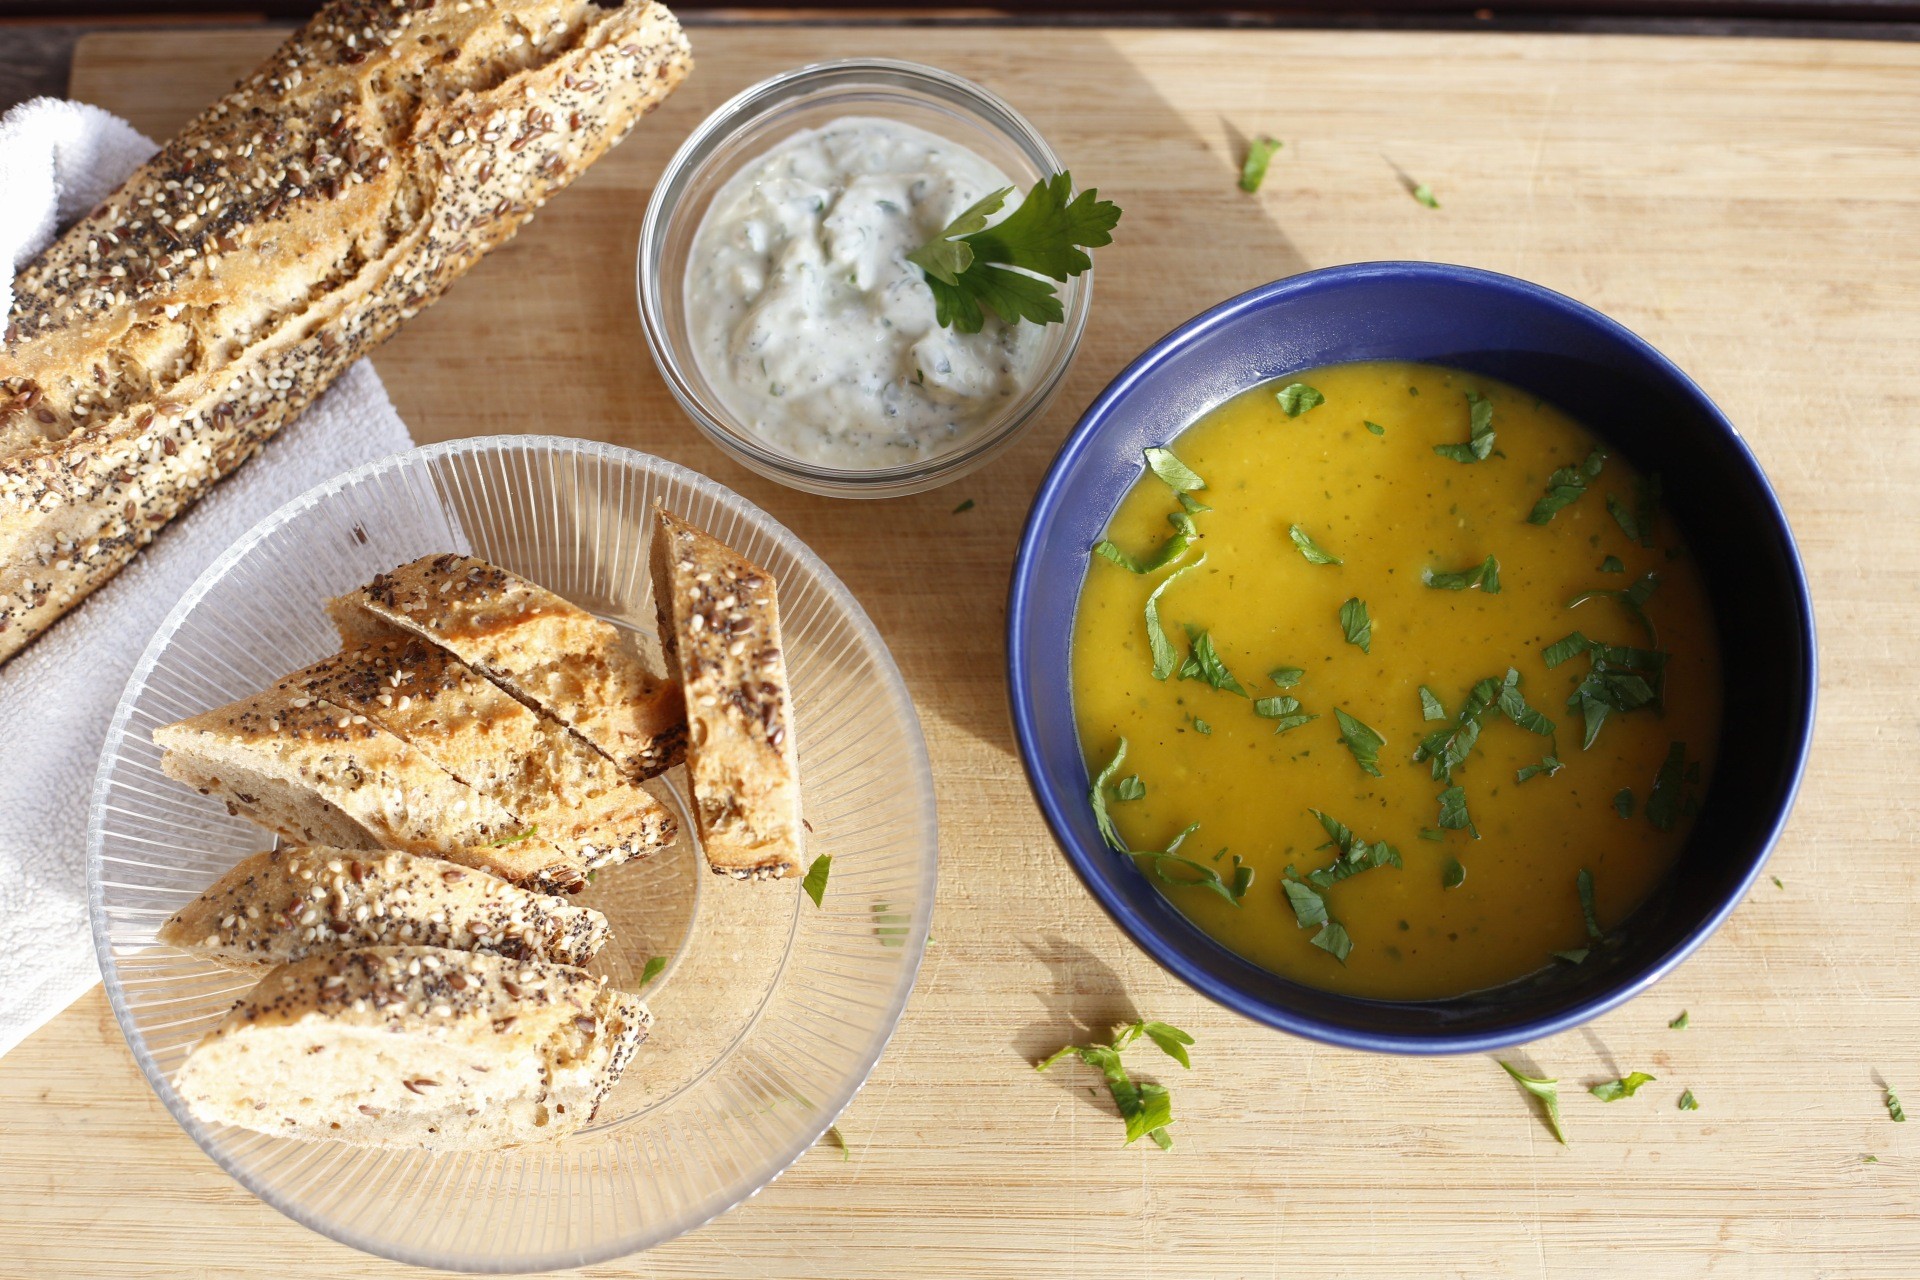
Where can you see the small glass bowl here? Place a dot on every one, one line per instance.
(745, 128)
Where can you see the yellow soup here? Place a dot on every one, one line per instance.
(1462, 864)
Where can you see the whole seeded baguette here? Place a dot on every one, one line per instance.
(278, 907)
(720, 628)
(550, 654)
(284, 233)
(415, 1047)
(532, 766)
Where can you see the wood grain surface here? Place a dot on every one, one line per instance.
(1752, 207)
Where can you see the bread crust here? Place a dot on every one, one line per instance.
(283, 234)
(720, 629)
(552, 655)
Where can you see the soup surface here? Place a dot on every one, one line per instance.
(1373, 554)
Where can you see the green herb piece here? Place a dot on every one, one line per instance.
(1183, 537)
(1129, 788)
(1452, 874)
(965, 505)
(1333, 940)
(889, 926)
(515, 838)
(1894, 1111)
(1612, 564)
(1619, 678)
(1565, 486)
(1098, 796)
(1190, 504)
(1869, 1159)
(1287, 677)
(1547, 1090)
(1485, 575)
(1432, 833)
(1204, 663)
(1165, 659)
(1201, 726)
(1479, 432)
(1584, 883)
(1623, 802)
(1565, 650)
(1573, 955)
(1253, 170)
(1424, 194)
(1778, 883)
(1633, 599)
(1548, 765)
(1453, 811)
(1310, 912)
(1375, 427)
(1284, 711)
(1146, 1108)
(816, 882)
(973, 268)
(1513, 705)
(652, 968)
(1448, 748)
(1233, 887)
(1624, 1087)
(1431, 708)
(1175, 474)
(1356, 624)
(1663, 803)
(1679, 1023)
(1353, 855)
(1361, 740)
(1297, 397)
(1687, 1101)
(1313, 551)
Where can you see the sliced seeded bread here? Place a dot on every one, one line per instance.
(278, 907)
(318, 773)
(532, 766)
(415, 1047)
(720, 628)
(548, 653)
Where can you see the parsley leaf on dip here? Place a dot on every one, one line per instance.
(973, 268)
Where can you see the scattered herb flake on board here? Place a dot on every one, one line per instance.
(1204, 663)
(965, 505)
(1356, 624)
(652, 968)
(1565, 486)
(1297, 397)
(1479, 432)
(1545, 1089)
(1584, 884)
(1424, 194)
(1375, 427)
(1165, 659)
(1869, 1159)
(1287, 677)
(835, 1138)
(1313, 551)
(816, 882)
(1253, 170)
(1146, 1108)
(1361, 740)
(1625, 1087)
(1485, 575)
(1687, 1101)
(1452, 874)
(1549, 765)
(1679, 1023)
(1894, 1111)
(967, 266)
(1778, 883)
(1175, 474)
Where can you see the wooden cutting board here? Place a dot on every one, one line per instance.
(1752, 207)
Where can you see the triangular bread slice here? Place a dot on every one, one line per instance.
(278, 907)
(720, 628)
(571, 795)
(415, 1047)
(550, 654)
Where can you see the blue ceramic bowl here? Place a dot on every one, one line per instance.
(1610, 380)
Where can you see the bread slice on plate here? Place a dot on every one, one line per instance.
(415, 1047)
(720, 628)
(278, 907)
(531, 766)
(317, 773)
(550, 654)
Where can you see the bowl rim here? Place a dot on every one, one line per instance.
(664, 207)
(1094, 867)
(918, 763)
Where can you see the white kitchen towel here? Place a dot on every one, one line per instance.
(58, 160)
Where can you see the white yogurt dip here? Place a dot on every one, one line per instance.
(810, 324)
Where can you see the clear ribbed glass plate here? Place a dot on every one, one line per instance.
(770, 1012)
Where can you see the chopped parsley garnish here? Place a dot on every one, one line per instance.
(1584, 883)
(1184, 535)
(1165, 659)
(1449, 747)
(1545, 1089)
(1424, 194)
(515, 838)
(1253, 170)
(1679, 1023)
(1612, 564)
(1284, 711)
(1375, 427)
(1297, 397)
(1620, 678)
(889, 926)
(1310, 912)
(1287, 677)
(652, 968)
(1573, 955)
(1203, 663)
(1147, 1108)
(1623, 802)
(1313, 551)
(1637, 521)
(1895, 1111)
(1565, 486)
(1353, 854)
(816, 882)
(965, 505)
(1663, 802)
(1233, 887)
(1452, 874)
(1479, 435)
(1201, 726)
(1625, 1087)
(1633, 599)
(1431, 708)
(1098, 796)
(1453, 811)
(973, 268)
(1175, 474)
(1129, 788)
(1548, 765)
(1687, 1101)
(1361, 740)
(1356, 624)
(1485, 575)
